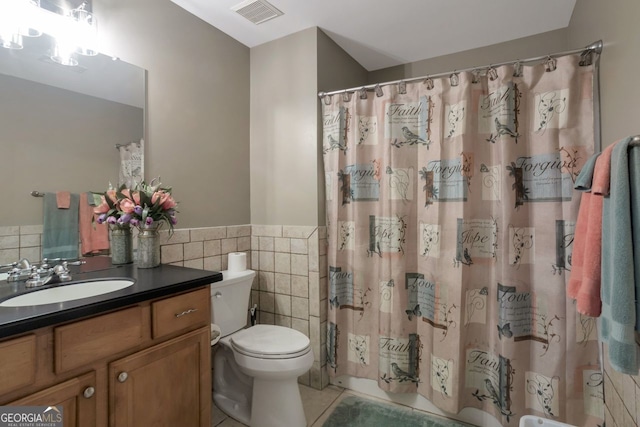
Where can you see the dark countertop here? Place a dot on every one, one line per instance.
(150, 283)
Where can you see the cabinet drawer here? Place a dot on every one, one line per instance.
(182, 312)
(18, 363)
(86, 341)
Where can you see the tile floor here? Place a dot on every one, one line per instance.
(318, 405)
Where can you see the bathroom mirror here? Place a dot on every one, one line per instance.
(59, 125)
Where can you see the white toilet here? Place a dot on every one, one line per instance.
(256, 369)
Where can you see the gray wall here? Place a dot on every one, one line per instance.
(199, 130)
(287, 179)
(336, 70)
(616, 23)
(198, 105)
(526, 47)
(284, 136)
(54, 139)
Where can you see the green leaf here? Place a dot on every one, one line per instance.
(145, 199)
(109, 202)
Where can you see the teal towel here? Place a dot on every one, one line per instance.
(634, 179)
(60, 229)
(620, 279)
(585, 178)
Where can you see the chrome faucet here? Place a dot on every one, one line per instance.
(41, 275)
(18, 271)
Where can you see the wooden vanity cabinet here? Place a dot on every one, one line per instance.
(76, 396)
(162, 386)
(142, 365)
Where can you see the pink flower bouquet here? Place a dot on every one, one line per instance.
(142, 207)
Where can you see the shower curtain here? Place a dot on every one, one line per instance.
(131, 163)
(451, 214)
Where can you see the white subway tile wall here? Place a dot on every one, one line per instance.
(290, 261)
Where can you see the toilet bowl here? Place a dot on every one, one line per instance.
(256, 369)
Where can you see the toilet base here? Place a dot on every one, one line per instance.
(232, 389)
(234, 409)
(269, 399)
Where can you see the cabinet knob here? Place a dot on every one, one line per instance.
(218, 295)
(89, 392)
(122, 376)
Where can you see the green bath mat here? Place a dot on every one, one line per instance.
(355, 411)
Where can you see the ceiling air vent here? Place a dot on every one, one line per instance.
(257, 11)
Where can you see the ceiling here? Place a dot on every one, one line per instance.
(384, 33)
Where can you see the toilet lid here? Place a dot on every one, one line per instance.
(270, 341)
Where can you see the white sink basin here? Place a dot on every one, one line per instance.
(69, 292)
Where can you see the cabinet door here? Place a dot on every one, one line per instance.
(166, 385)
(76, 396)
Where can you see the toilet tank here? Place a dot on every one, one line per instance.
(230, 300)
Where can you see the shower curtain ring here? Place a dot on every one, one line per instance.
(476, 75)
(363, 93)
(492, 73)
(517, 69)
(346, 96)
(379, 91)
(327, 100)
(454, 78)
(402, 87)
(428, 82)
(550, 64)
(586, 58)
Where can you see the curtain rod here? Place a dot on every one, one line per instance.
(593, 47)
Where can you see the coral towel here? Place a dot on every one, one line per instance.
(94, 237)
(584, 183)
(63, 199)
(586, 288)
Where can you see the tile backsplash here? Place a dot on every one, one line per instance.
(290, 288)
(20, 242)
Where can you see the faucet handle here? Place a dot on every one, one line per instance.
(23, 264)
(45, 262)
(8, 267)
(62, 271)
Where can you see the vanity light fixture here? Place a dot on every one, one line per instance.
(15, 22)
(78, 36)
(86, 31)
(63, 53)
(73, 31)
(27, 29)
(10, 39)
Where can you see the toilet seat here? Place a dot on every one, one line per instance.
(270, 342)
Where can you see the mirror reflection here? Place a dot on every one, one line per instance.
(59, 125)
